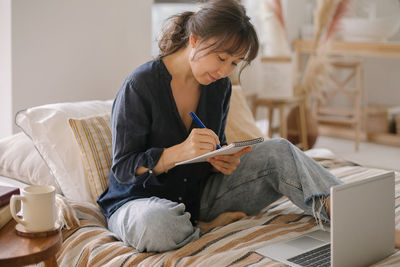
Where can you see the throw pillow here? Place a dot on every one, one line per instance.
(93, 135)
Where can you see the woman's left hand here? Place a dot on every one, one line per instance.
(227, 164)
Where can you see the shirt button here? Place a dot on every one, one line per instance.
(185, 180)
(180, 198)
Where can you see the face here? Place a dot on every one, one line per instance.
(208, 67)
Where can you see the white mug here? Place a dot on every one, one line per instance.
(38, 208)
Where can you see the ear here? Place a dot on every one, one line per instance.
(193, 39)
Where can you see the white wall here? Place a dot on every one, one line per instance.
(5, 67)
(382, 81)
(72, 50)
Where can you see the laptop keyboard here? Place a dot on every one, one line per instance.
(320, 257)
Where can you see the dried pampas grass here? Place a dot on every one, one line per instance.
(276, 7)
(341, 9)
(317, 69)
(322, 16)
(327, 17)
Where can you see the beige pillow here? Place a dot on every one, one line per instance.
(19, 160)
(240, 123)
(93, 136)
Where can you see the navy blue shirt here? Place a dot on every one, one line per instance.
(144, 121)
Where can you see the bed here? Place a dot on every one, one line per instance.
(67, 145)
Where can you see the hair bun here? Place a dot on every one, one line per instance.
(175, 34)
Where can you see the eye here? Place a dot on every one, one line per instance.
(221, 59)
(234, 64)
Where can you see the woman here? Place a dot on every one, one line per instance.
(153, 205)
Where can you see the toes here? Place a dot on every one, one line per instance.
(238, 215)
(234, 216)
(397, 238)
(224, 219)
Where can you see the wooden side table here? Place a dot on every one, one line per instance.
(281, 104)
(16, 250)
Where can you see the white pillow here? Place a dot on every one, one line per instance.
(20, 160)
(51, 134)
(320, 154)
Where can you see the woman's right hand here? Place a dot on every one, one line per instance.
(199, 142)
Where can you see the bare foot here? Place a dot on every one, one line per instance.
(222, 219)
(328, 206)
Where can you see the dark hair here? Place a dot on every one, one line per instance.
(224, 20)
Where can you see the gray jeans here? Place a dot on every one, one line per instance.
(272, 169)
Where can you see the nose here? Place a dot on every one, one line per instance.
(224, 70)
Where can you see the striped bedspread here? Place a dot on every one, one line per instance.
(87, 242)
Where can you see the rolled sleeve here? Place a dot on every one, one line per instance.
(130, 127)
(148, 160)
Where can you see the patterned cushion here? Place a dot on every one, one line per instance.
(93, 136)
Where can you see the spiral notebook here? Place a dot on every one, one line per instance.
(226, 150)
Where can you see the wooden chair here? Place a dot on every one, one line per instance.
(330, 109)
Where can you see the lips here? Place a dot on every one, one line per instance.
(212, 78)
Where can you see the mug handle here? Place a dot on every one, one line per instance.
(13, 200)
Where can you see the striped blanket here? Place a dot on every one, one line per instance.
(87, 242)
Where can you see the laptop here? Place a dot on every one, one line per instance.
(362, 228)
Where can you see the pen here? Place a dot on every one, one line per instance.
(198, 121)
